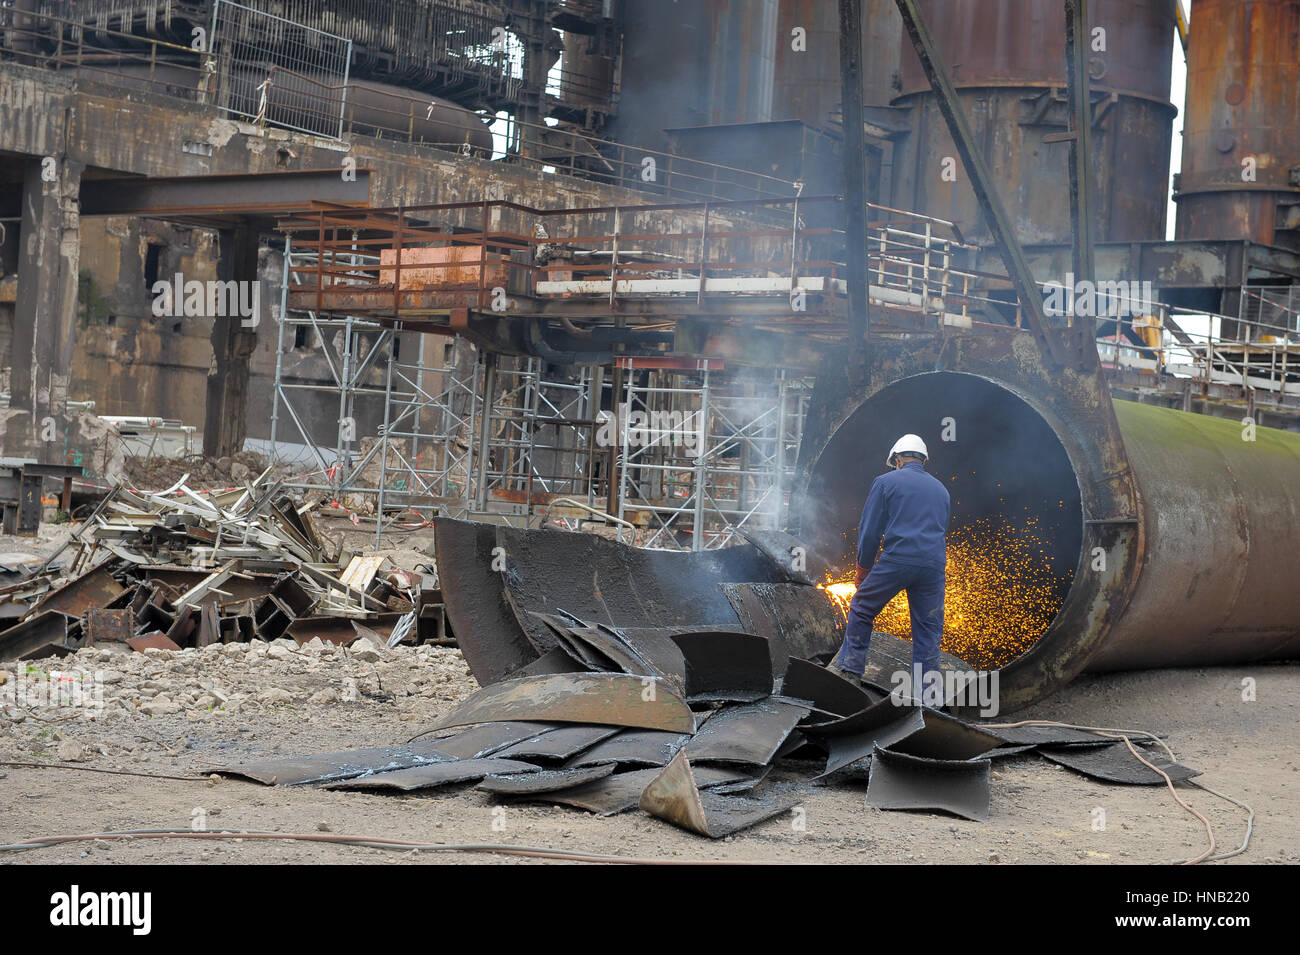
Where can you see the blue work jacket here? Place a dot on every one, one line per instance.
(909, 508)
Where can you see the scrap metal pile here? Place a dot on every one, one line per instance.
(696, 720)
(175, 569)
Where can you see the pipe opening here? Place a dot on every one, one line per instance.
(1016, 531)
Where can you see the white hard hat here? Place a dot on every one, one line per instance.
(908, 442)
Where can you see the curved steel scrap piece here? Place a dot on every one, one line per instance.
(798, 620)
(674, 795)
(609, 699)
(486, 738)
(725, 665)
(1044, 735)
(639, 747)
(828, 691)
(435, 774)
(489, 636)
(783, 549)
(561, 743)
(622, 791)
(870, 717)
(544, 780)
(899, 781)
(849, 749)
(946, 737)
(603, 581)
(297, 770)
(751, 733)
(1115, 764)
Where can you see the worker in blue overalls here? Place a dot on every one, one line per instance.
(909, 509)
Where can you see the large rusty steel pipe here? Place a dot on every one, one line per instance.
(1216, 520)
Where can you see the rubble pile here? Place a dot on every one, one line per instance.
(197, 471)
(178, 569)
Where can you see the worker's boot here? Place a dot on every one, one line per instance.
(834, 667)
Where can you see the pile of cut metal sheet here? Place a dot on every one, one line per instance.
(178, 569)
(695, 727)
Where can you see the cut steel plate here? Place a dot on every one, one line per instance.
(486, 738)
(93, 589)
(606, 582)
(622, 791)
(1115, 764)
(473, 593)
(561, 743)
(610, 699)
(433, 775)
(674, 795)
(751, 733)
(1044, 735)
(871, 717)
(846, 750)
(323, 767)
(798, 620)
(153, 641)
(544, 780)
(725, 665)
(946, 737)
(828, 691)
(41, 635)
(637, 747)
(899, 781)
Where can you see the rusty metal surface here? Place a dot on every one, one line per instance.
(898, 781)
(725, 666)
(544, 780)
(152, 641)
(946, 737)
(1007, 63)
(601, 698)
(633, 747)
(1115, 764)
(561, 743)
(849, 749)
(108, 626)
(751, 733)
(674, 795)
(486, 630)
(93, 589)
(1243, 100)
(322, 767)
(432, 775)
(486, 738)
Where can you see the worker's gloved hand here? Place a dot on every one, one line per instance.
(860, 576)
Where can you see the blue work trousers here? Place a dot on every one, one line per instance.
(924, 586)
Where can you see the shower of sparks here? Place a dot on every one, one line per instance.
(1002, 592)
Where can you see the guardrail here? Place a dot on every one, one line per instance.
(295, 100)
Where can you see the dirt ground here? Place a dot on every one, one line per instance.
(181, 714)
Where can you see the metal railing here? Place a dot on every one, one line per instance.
(231, 78)
(471, 254)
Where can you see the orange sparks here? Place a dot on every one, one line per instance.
(1002, 593)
